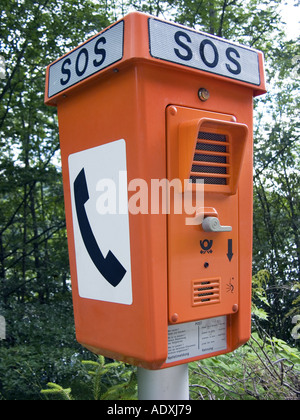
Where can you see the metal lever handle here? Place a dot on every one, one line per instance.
(212, 224)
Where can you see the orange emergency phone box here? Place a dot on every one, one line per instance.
(155, 124)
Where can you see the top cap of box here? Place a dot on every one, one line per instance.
(142, 37)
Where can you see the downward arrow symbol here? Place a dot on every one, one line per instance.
(229, 253)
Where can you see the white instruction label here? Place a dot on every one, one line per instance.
(196, 338)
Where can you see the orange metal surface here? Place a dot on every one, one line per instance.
(135, 99)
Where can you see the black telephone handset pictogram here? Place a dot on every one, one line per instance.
(109, 266)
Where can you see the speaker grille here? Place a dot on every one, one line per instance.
(206, 292)
(211, 159)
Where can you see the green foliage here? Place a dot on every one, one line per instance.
(43, 350)
(106, 381)
(259, 298)
(263, 369)
(57, 391)
(112, 381)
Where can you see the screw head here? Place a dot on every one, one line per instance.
(173, 110)
(203, 94)
(174, 317)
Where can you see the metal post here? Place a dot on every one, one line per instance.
(165, 384)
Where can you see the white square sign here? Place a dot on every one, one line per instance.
(98, 183)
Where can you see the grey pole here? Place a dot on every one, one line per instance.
(164, 384)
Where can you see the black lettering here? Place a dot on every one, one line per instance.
(86, 54)
(202, 53)
(100, 51)
(229, 53)
(65, 71)
(189, 54)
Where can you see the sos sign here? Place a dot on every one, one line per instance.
(167, 42)
(203, 52)
(95, 55)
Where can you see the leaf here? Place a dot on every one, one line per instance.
(56, 390)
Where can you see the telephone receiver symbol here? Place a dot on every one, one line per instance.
(109, 266)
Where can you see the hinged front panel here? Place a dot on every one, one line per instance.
(205, 151)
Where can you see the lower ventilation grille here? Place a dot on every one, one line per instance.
(206, 292)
